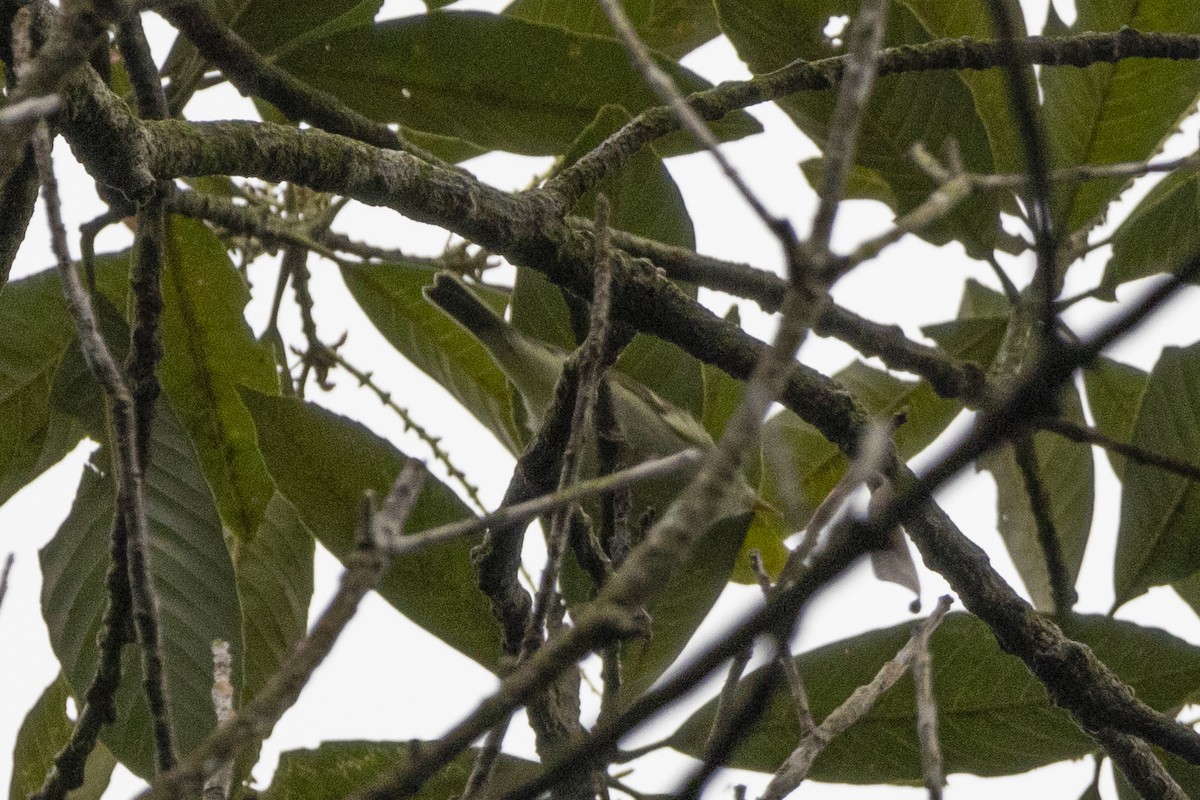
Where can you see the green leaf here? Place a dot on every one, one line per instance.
(390, 296)
(500, 82)
(337, 769)
(978, 302)
(271, 28)
(929, 107)
(1111, 113)
(722, 393)
(192, 574)
(1068, 480)
(1114, 392)
(989, 88)
(977, 334)
(994, 717)
(673, 27)
(323, 463)
(1160, 511)
(209, 350)
(863, 183)
(35, 332)
(1159, 235)
(275, 584)
(43, 734)
(644, 201)
(683, 605)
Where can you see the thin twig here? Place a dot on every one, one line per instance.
(795, 681)
(795, 768)
(522, 512)
(725, 700)
(481, 771)
(1023, 96)
(1062, 588)
(125, 426)
(1088, 435)
(858, 78)
(932, 767)
(4, 572)
(662, 85)
(846, 546)
(742, 719)
(254, 721)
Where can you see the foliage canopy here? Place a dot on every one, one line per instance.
(237, 474)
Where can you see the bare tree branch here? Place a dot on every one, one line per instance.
(795, 768)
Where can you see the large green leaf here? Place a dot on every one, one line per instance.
(1109, 113)
(994, 717)
(43, 734)
(988, 87)
(644, 201)
(1068, 480)
(1114, 392)
(722, 393)
(673, 27)
(337, 769)
(275, 584)
(500, 82)
(976, 335)
(35, 332)
(683, 605)
(323, 463)
(193, 576)
(1159, 235)
(209, 350)
(1160, 511)
(390, 296)
(930, 107)
(272, 28)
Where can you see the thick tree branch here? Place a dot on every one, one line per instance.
(255, 76)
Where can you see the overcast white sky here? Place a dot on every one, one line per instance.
(388, 679)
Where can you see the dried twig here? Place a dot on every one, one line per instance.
(927, 720)
(795, 680)
(220, 778)
(523, 512)
(795, 768)
(4, 572)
